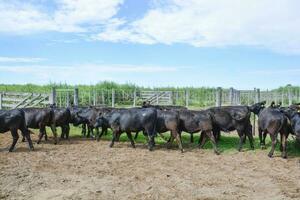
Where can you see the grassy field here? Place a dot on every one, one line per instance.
(228, 143)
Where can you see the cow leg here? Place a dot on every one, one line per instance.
(53, 129)
(170, 141)
(283, 144)
(67, 134)
(217, 135)
(192, 138)
(100, 135)
(26, 133)
(63, 132)
(178, 139)
(274, 142)
(113, 139)
(46, 136)
(202, 140)
(83, 131)
(15, 135)
(261, 135)
(242, 137)
(213, 140)
(97, 132)
(136, 135)
(41, 134)
(130, 138)
(251, 140)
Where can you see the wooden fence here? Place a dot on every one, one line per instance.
(129, 98)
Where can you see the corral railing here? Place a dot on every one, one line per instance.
(201, 98)
(11, 100)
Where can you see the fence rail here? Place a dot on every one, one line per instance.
(135, 97)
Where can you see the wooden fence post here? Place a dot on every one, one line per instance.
(134, 98)
(231, 97)
(94, 97)
(238, 97)
(290, 96)
(113, 98)
(76, 97)
(257, 95)
(68, 99)
(219, 97)
(52, 96)
(102, 97)
(0, 100)
(187, 98)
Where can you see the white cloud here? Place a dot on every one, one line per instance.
(18, 16)
(270, 24)
(20, 60)
(216, 23)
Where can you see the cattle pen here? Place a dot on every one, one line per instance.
(83, 168)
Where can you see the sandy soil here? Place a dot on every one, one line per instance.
(85, 169)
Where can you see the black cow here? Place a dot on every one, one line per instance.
(273, 121)
(294, 117)
(88, 116)
(14, 120)
(168, 120)
(192, 121)
(62, 118)
(39, 118)
(230, 118)
(130, 120)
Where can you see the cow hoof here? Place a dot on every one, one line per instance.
(110, 146)
(10, 150)
(150, 148)
(284, 156)
(263, 147)
(270, 155)
(31, 149)
(217, 153)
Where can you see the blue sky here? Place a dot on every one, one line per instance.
(227, 43)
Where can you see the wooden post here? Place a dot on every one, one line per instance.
(68, 99)
(103, 97)
(290, 96)
(157, 99)
(257, 95)
(134, 98)
(219, 97)
(52, 96)
(113, 98)
(238, 97)
(76, 97)
(0, 100)
(187, 98)
(231, 97)
(94, 98)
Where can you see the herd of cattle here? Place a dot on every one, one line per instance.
(153, 120)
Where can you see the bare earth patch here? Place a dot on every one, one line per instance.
(85, 169)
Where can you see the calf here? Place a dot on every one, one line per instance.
(39, 118)
(12, 120)
(130, 120)
(273, 121)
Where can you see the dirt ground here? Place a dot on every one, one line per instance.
(85, 169)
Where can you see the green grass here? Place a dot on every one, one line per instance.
(227, 145)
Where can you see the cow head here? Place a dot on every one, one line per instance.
(256, 108)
